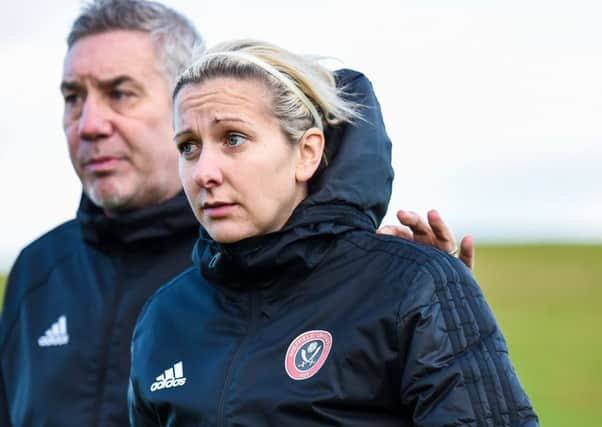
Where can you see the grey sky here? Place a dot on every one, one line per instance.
(494, 108)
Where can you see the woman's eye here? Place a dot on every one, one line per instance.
(235, 139)
(186, 148)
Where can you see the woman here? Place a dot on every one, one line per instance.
(296, 312)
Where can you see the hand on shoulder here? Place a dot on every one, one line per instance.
(433, 233)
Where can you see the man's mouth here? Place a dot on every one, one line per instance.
(102, 164)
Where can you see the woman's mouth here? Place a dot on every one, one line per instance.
(216, 210)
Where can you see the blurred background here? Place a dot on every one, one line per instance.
(495, 112)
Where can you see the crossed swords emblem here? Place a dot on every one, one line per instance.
(309, 355)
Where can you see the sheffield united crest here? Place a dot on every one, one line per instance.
(307, 353)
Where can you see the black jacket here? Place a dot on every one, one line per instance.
(325, 323)
(71, 303)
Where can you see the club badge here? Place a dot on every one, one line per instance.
(307, 353)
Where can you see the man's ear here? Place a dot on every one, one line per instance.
(311, 148)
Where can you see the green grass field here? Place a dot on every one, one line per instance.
(546, 299)
(2, 283)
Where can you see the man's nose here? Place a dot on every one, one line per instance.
(94, 121)
(207, 170)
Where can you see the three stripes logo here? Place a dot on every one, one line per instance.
(56, 335)
(172, 377)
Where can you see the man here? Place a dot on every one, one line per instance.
(74, 294)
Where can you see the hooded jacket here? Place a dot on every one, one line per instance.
(71, 303)
(325, 322)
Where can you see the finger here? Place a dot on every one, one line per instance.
(467, 251)
(445, 238)
(416, 224)
(397, 231)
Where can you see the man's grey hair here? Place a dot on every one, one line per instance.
(174, 35)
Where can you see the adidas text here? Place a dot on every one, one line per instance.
(168, 384)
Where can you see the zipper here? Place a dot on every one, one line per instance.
(108, 325)
(254, 320)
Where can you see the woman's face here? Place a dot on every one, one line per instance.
(239, 171)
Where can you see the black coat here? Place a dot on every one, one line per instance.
(325, 322)
(72, 299)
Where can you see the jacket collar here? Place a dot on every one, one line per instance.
(165, 220)
(351, 193)
(293, 251)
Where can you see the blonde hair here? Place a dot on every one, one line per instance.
(304, 92)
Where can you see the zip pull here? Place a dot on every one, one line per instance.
(214, 260)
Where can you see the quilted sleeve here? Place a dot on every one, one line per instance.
(455, 364)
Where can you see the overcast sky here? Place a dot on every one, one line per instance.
(494, 107)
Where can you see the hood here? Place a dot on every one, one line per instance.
(351, 193)
(165, 220)
(359, 171)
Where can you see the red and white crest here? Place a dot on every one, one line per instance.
(307, 353)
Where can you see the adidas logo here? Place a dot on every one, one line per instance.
(172, 377)
(56, 335)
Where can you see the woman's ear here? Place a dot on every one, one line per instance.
(311, 148)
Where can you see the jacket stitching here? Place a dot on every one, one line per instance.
(495, 368)
(506, 389)
(469, 348)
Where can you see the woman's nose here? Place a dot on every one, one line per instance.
(207, 170)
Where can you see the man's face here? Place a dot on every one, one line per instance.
(117, 121)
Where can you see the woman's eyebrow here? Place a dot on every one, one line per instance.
(182, 134)
(228, 117)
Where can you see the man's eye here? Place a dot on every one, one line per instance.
(71, 98)
(119, 95)
(235, 139)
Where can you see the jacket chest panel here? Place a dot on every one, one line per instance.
(58, 335)
(235, 366)
(70, 347)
